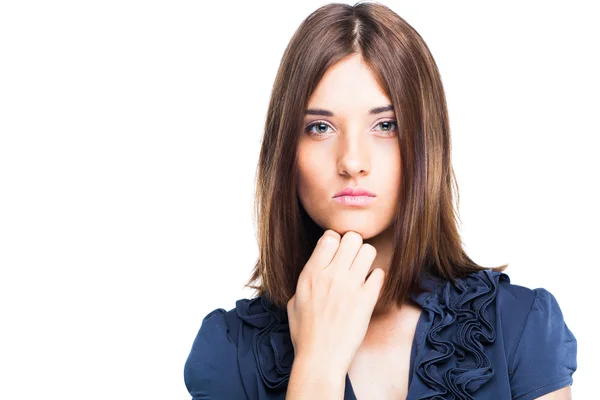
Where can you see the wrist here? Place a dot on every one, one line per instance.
(321, 366)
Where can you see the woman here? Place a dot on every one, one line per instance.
(365, 290)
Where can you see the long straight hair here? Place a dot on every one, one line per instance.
(426, 236)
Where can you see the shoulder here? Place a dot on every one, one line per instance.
(516, 307)
(540, 349)
(484, 320)
(524, 311)
(514, 304)
(243, 352)
(211, 368)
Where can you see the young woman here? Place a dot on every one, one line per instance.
(364, 288)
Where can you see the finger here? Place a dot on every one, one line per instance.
(362, 263)
(324, 251)
(346, 252)
(373, 285)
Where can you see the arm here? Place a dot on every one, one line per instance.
(561, 394)
(211, 370)
(546, 355)
(313, 378)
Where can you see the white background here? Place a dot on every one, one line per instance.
(129, 136)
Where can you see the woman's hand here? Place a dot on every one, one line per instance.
(330, 312)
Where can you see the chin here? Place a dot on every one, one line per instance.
(364, 229)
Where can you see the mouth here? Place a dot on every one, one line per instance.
(354, 200)
(353, 192)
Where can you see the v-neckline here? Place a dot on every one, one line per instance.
(349, 390)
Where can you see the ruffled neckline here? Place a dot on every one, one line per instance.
(272, 343)
(454, 364)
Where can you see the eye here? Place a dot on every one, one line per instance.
(321, 127)
(387, 126)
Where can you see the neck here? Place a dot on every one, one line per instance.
(384, 246)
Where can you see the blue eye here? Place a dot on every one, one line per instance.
(320, 125)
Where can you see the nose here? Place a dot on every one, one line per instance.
(354, 157)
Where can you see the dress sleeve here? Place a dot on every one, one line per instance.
(211, 370)
(546, 356)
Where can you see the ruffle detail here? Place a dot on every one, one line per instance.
(456, 365)
(272, 344)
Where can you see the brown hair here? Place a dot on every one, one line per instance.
(425, 227)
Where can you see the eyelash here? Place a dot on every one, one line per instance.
(311, 125)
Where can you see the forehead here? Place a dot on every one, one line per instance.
(349, 85)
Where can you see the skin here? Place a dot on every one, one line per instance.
(353, 147)
(561, 394)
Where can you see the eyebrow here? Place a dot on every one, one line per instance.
(375, 110)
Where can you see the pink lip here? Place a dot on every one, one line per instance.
(354, 200)
(349, 191)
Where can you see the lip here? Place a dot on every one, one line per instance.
(350, 191)
(354, 200)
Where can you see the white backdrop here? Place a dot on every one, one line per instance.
(129, 136)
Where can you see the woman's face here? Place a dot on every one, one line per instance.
(350, 140)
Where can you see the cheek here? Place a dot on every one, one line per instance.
(395, 166)
(389, 178)
(303, 178)
(307, 179)
(388, 161)
(309, 168)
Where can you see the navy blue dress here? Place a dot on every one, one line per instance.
(483, 338)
